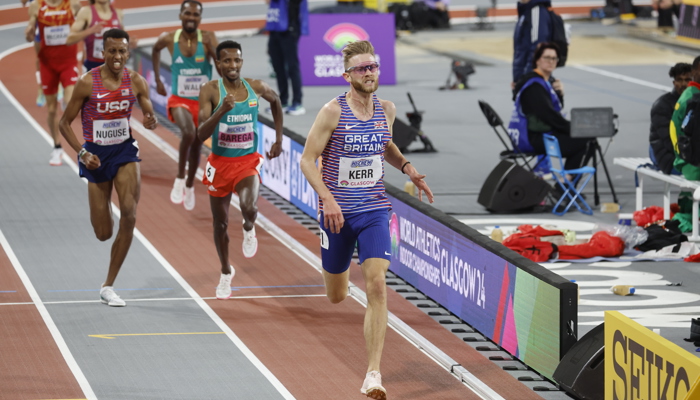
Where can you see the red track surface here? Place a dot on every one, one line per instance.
(314, 348)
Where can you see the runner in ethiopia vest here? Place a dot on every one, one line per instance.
(106, 114)
(93, 43)
(237, 132)
(192, 50)
(189, 73)
(353, 161)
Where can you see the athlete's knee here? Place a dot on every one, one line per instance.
(220, 226)
(103, 233)
(188, 135)
(250, 212)
(376, 288)
(336, 296)
(127, 220)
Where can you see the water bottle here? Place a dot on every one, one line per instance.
(497, 234)
(623, 290)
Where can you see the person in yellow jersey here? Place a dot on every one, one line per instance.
(228, 109)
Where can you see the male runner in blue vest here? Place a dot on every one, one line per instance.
(228, 109)
(353, 134)
(192, 51)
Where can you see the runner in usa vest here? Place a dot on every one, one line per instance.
(109, 157)
(189, 73)
(93, 43)
(106, 114)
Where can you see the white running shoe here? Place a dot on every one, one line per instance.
(189, 198)
(223, 291)
(178, 191)
(250, 243)
(372, 386)
(56, 155)
(110, 298)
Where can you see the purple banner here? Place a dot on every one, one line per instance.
(320, 54)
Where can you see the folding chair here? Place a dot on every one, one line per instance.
(571, 193)
(511, 152)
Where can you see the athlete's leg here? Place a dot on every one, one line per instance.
(51, 120)
(127, 183)
(248, 190)
(184, 121)
(219, 212)
(67, 93)
(336, 285)
(99, 197)
(374, 272)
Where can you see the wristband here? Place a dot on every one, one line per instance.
(81, 153)
(404, 166)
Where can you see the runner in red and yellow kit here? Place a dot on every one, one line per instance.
(57, 61)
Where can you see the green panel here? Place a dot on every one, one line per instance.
(537, 318)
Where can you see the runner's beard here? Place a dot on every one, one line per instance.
(360, 87)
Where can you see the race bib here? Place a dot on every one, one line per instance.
(97, 48)
(56, 35)
(239, 136)
(210, 171)
(188, 86)
(110, 132)
(359, 172)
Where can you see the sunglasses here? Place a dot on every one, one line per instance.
(363, 69)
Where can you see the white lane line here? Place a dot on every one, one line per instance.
(404, 330)
(613, 75)
(147, 244)
(53, 329)
(290, 296)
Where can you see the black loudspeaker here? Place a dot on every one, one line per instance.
(581, 372)
(511, 187)
(403, 134)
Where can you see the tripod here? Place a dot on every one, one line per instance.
(598, 152)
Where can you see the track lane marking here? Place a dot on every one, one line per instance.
(115, 335)
(53, 329)
(82, 380)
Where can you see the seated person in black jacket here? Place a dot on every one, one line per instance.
(660, 145)
(539, 100)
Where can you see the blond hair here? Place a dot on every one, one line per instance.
(355, 48)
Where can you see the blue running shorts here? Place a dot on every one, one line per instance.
(111, 158)
(370, 230)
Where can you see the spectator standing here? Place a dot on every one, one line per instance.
(287, 20)
(534, 27)
(660, 145)
(667, 9)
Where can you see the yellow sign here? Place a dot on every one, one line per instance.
(639, 364)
